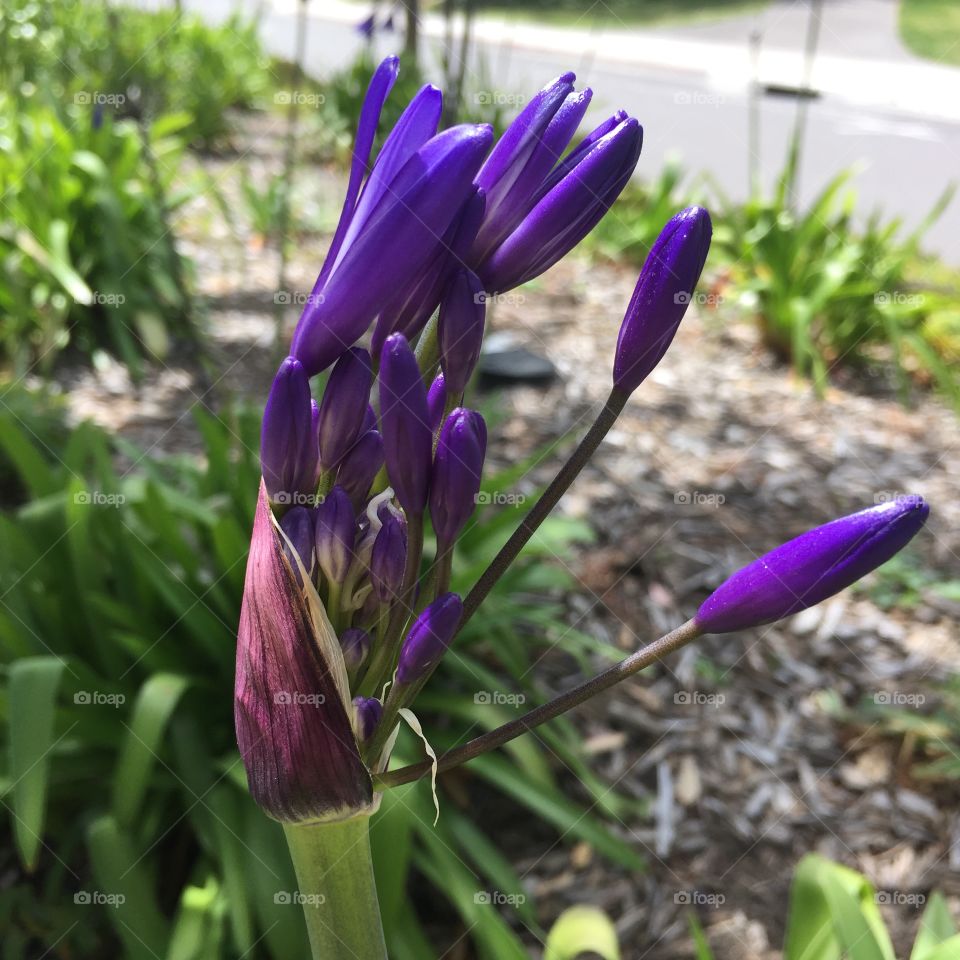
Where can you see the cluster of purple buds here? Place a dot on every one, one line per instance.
(347, 609)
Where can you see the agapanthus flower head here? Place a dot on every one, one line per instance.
(405, 420)
(457, 470)
(812, 567)
(662, 294)
(391, 229)
(288, 448)
(429, 638)
(344, 407)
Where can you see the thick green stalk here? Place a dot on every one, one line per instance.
(337, 889)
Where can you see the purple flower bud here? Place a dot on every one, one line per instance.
(567, 211)
(457, 469)
(462, 314)
(335, 526)
(407, 437)
(297, 524)
(429, 638)
(288, 449)
(388, 559)
(812, 567)
(660, 299)
(344, 406)
(513, 193)
(436, 401)
(369, 711)
(293, 727)
(355, 645)
(391, 244)
(360, 466)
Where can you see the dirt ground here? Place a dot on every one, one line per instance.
(751, 749)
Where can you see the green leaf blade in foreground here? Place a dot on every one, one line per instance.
(33, 686)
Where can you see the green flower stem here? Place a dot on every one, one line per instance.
(546, 711)
(336, 886)
(548, 500)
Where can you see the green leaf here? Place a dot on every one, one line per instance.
(936, 926)
(122, 874)
(33, 686)
(198, 929)
(700, 943)
(156, 701)
(579, 931)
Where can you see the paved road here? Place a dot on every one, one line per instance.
(906, 159)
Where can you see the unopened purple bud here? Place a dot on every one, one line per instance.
(355, 645)
(297, 524)
(462, 313)
(457, 469)
(812, 567)
(407, 437)
(567, 211)
(360, 466)
(429, 638)
(388, 559)
(660, 299)
(335, 525)
(344, 406)
(369, 711)
(437, 401)
(288, 448)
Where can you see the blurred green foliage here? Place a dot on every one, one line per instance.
(121, 577)
(834, 914)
